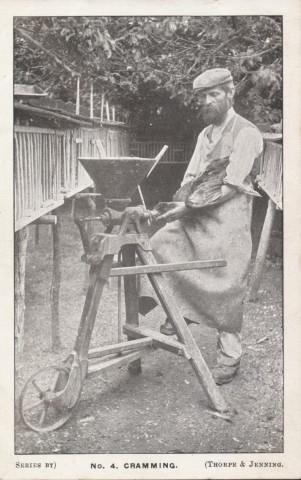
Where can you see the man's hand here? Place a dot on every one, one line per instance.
(175, 211)
(137, 213)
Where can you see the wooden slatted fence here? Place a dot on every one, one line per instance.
(37, 172)
(46, 169)
(177, 152)
(270, 174)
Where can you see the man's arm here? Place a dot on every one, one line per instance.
(181, 209)
(247, 147)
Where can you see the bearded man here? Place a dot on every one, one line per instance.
(210, 219)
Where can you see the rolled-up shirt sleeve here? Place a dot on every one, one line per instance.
(248, 146)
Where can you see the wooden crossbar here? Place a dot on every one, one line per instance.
(158, 340)
(166, 267)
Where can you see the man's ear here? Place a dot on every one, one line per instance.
(231, 93)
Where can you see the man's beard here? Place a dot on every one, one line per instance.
(215, 114)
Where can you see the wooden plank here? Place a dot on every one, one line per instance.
(47, 167)
(22, 163)
(29, 195)
(98, 279)
(114, 362)
(46, 220)
(59, 164)
(120, 347)
(17, 179)
(35, 175)
(33, 215)
(28, 129)
(52, 167)
(166, 267)
(33, 191)
(100, 148)
(49, 114)
(39, 141)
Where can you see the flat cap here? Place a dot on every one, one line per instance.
(212, 78)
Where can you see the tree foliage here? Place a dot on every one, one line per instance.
(147, 64)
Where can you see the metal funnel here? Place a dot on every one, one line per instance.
(117, 177)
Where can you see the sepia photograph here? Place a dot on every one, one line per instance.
(148, 225)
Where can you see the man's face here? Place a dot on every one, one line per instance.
(214, 104)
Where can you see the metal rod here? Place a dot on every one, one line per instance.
(141, 196)
(157, 158)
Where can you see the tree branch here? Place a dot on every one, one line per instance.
(48, 52)
(252, 55)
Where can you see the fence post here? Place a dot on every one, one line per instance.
(262, 250)
(56, 284)
(77, 108)
(91, 101)
(21, 240)
(102, 107)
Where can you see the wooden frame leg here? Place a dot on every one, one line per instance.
(98, 279)
(131, 300)
(185, 336)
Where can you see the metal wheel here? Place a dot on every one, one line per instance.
(41, 407)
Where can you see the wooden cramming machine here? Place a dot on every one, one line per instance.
(50, 395)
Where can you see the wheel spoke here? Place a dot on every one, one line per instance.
(34, 405)
(43, 414)
(36, 386)
(55, 381)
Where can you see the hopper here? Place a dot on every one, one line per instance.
(117, 177)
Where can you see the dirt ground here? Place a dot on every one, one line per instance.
(162, 410)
